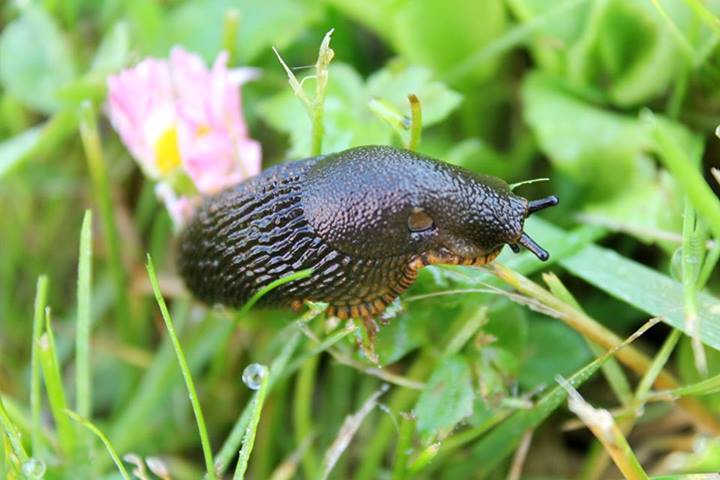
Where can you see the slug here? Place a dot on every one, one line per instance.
(366, 220)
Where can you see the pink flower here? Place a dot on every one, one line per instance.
(182, 121)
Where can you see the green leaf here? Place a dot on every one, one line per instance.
(112, 54)
(397, 80)
(35, 60)
(448, 396)
(595, 147)
(649, 202)
(14, 150)
(553, 349)
(625, 46)
(442, 35)
(554, 32)
(645, 289)
(263, 23)
(500, 442)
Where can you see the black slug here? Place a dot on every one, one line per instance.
(365, 220)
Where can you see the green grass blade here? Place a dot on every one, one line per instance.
(611, 369)
(657, 365)
(645, 289)
(35, 374)
(12, 433)
(82, 332)
(251, 430)
(55, 390)
(103, 438)
(103, 196)
(271, 286)
(199, 418)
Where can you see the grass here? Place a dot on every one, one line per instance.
(101, 348)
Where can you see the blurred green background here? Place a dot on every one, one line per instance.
(615, 101)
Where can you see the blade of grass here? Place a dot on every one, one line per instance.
(55, 390)
(249, 440)
(612, 371)
(657, 365)
(269, 287)
(302, 420)
(12, 433)
(182, 362)
(103, 197)
(111, 450)
(82, 332)
(404, 442)
(35, 374)
(645, 289)
(234, 438)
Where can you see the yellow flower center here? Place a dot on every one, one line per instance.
(167, 152)
(202, 130)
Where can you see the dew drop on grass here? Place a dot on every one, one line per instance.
(253, 375)
(34, 468)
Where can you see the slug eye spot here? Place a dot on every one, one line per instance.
(419, 221)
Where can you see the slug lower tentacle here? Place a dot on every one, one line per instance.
(366, 220)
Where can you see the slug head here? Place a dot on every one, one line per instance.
(380, 202)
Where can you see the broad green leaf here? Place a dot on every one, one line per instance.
(553, 349)
(397, 80)
(442, 35)
(596, 147)
(35, 60)
(650, 202)
(625, 46)
(448, 396)
(554, 35)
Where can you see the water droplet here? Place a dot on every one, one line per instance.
(253, 375)
(34, 468)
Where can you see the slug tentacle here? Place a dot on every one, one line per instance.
(366, 220)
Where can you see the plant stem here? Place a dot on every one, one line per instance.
(35, 374)
(415, 122)
(103, 196)
(82, 338)
(251, 430)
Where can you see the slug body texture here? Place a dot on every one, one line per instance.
(365, 220)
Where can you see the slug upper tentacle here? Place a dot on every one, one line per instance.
(365, 220)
